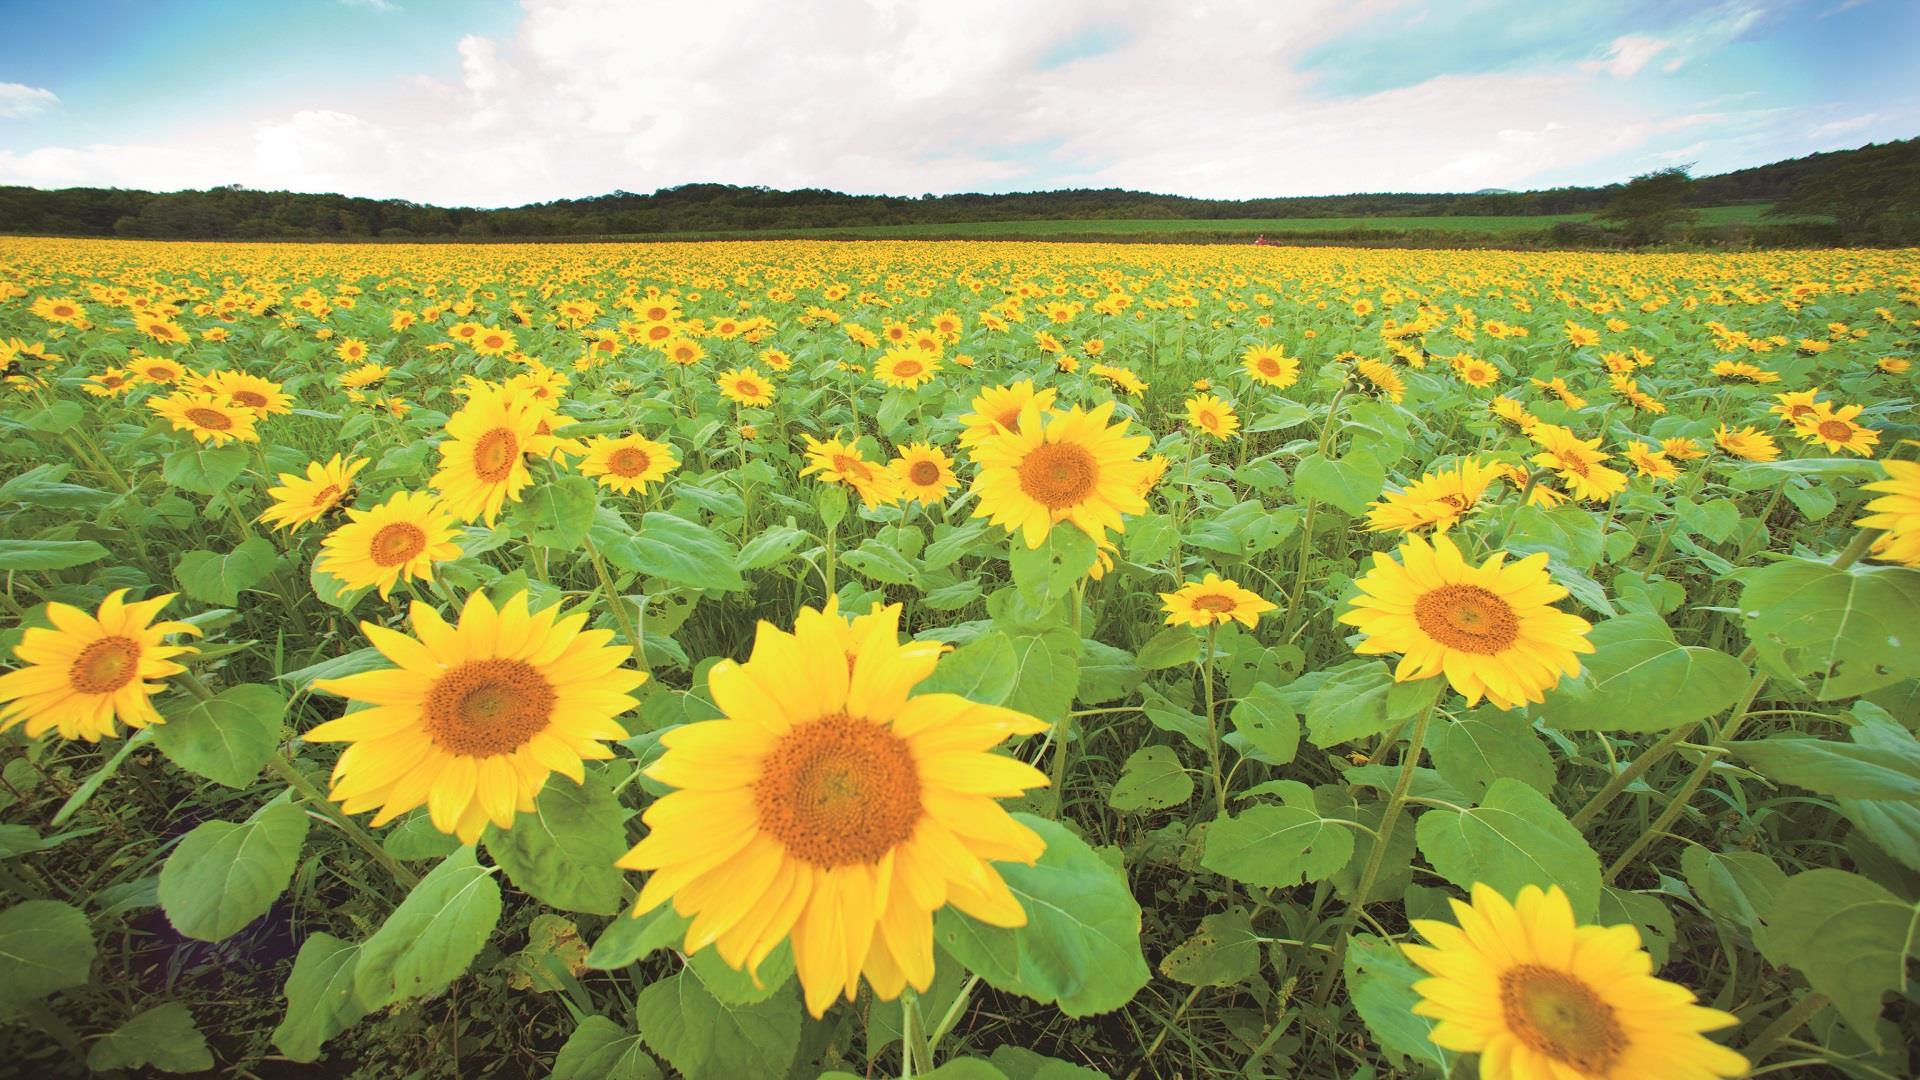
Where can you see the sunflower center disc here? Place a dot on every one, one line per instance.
(628, 461)
(1058, 475)
(396, 543)
(327, 496)
(211, 419)
(1009, 419)
(105, 665)
(1214, 602)
(493, 455)
(485, 708)
(924, 473)
(906, 369)
(1556, 1014)
(249, 399)
(1467, 618)
(839, 791)
(1835, 430)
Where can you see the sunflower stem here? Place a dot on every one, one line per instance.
(916, 1055)
(1063, 726)
(1788, 1022)
(362, 839)
(953, 1014)
(1389, 818)
(1213, 727)
(1296, 612)
(619, 603)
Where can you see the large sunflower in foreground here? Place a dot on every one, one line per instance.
(1074, 468)
(1491, 629)
(1540, 997)
(87, 670)
(831, 808)
(1897, 510)
(483, 462)
(476, 716)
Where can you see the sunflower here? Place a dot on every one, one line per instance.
(483, 462)
(402, 537)
(830, 808)
(252, 392)
(157, 369)
(1794, 404)
(1579, 336)
(1477, 373)
(1540, 997)
(997, 407)
(364, 376)
(1072, 468)
(60, 309)
(1212, 601)
(1742, 371)
(683, 351)
(1382, 378)
(1512, 412)
(628, 464)
(1748, 443)
(87, 670)
(906, 368)
(1121, 378)
(351, 351)
(1651, 462)
(1835, 429)
(207, 417)
(492, 341)
(164, 331)
(1577, 462)
(1271, 365)
(925, 472)
(843, 463)
(745, 386)
(1437, 500)
(1212, 415)
(1897, 510)
(1558, 388)
(109, 383)
(302, 500)
(476, 716)
(1492, 630)
(1681, 448)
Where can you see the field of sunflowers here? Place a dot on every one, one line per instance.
(1026, 661)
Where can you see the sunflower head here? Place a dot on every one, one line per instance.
(1075, 468)
(87, 670)
(1211, 601)
(628, 464)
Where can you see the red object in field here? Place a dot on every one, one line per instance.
(1261, 239)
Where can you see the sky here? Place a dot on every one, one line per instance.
(498, 103)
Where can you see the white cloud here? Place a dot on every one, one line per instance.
(1628, 54)
(19, 101)
(376, 5)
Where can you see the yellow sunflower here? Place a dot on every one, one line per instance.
(1681, 448)
(1794, 404)
(1122, 379)
(60, 309)
(682, 351)
(1836, 430)
(302, 500)
(263, 396)
(492, 341)
(1073, 468)
(1651, 462)
(1478, 373)
(628, 464)
(364, 376)
(843, 463)
(831, 808)
(401, 538)
(88, 670)
(476, 716)
(1271, 365)
(906, 368)
(1212, 601)
(1748, 443)
(1491, 630)
(997, 407)
(207, 418)
(1382, 378)
(1437, 500)
(925, 472)
(109, 383)
(1541, 997)
(1578, 463)
(1213, 415)
(157, 369)
(483, 462)
(745, 386)
(1897, 510)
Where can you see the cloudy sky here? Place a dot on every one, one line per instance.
(492, 103)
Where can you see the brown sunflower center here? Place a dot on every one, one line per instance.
(396, 543)
(493, 455)
(493, 341)
(1209, 420)
(839, 791)
(1573, 463)
(924, 473)
(1269, 366)
(852, 467)
(211, 419)
(485, 708)
(1795, 412)
(105, 665)
(1010, 419)
(251, 399)
(327, 496)
(1214, 602)
(746, 388)
(907, 369)
(1837, 430)
(1467, 618)
(1555, 1014)
(1059, 475)
(628, 462)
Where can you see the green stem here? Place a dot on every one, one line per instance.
(1213, 728)
(620, 613)
(362, 839)
(1063, 727)
(952, 1017)
(1788, 1022)
(915, 1055)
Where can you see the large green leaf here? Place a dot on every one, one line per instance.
(1515, 837)
(557, 514)
(1736, 885)
(1349, 482)
(320, 999)
(1356, 700)
(1080, 948)
(1472, 751)
(678, 550)
(227, 738)
(563, 853)
(984, 670)
(600, 1049)
(1265, 727)
(1881, 762)
(702, 1038)
(1047, 661)
(205, 470)
(30, 555)
(1851, 938)
(1046, 574)
(48, 946)
(1272, 847)
(1380, 984)
(1638, 678)
(220, 579)
(226, 874)
(1152, 779)
(163, 1037)
(431, 938)
(1569, 535)
(1844, 632)
(628, 939)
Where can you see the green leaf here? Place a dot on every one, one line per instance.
(205, 470)
(1080, 948)
(557, 514)
(1850, 938)
(163, 1037)
(772, 546)
(1171, 647)
(1272, 847)
(1882, 761)
(681, 552)
(1152, 779)
(1515, 837)
(48, 946)
(431, 938)
(1222, 952)
(702, 1038)
(1380, 984)
(600, 1049)
(56, 418)
(1106, 673)
(1264, 726)
(1473, 751)
(28, 555)
(952, 544)
(219, 579)
(1715, 520)
(563, 853)
(1349, 482)
(320, 1000)
(1569, 535)
(227, 738)
(1639, 678)
(731, 987)
(1736, 885)
(226, 874)
(1845, 631)
(1048, 665)
(877, 560)
(415, 839)
(628, 940)
(1046, 574)
(983, 670)
(1356, 700)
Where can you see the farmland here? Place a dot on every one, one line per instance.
(963, 659)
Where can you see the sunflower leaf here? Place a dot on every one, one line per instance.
(226, 874)
(1851, 938)
(1639, 678)
(684, 1023)
(320, 1001)
(48, 946)
(226, 738)
(563, 853)
(600, 1049)
(1515, 837)
(432, 937)
(163, 1037)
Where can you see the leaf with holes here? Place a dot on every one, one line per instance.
(1272, 847)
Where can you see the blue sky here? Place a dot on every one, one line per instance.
(495, 103)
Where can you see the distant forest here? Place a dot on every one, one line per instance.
(1817, 184)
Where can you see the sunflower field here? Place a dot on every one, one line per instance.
(1026, 661)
